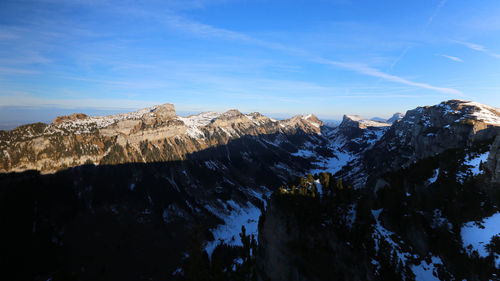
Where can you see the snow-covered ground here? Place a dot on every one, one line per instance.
(338, 161)
(104, 121)
(367, 122)
(476, 235)
(475, 161)
(319, 186)
(473, 165)
(333, 164)
(327, 164)
(235, 216)
(305, 153)
(424, 271)
(228, 233)
(381, 233)
(477, 111)
(485, 113)
(193, 122)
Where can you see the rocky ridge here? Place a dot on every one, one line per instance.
(150, 134)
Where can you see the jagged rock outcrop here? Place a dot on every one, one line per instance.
(291, 251)
(147, 135)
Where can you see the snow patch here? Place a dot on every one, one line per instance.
(228, 232)
(194, 122)
(473, 163)
(367, 122)
(426, 271)
(476, 235)
(381, 233)
(304, 153)
(487, 114)
(434, 177)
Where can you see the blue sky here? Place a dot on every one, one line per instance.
(327, 57)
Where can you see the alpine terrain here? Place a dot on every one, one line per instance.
(150, 195)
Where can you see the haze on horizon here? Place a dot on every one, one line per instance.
(280, 58)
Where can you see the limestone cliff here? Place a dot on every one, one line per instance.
(147, 135)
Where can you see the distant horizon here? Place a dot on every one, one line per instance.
(46, 114)
(370, 58)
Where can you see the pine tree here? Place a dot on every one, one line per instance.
(245, 240)
(302, 182)
(196, 265)
(339, 184)
(314, 190)
(310, 179)
(324, 180)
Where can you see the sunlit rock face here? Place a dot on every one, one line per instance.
(148, 135)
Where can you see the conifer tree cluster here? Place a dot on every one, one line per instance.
(309, 186)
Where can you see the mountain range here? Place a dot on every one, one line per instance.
(153, 195)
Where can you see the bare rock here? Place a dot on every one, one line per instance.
(72, 117)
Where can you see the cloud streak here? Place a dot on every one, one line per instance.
(208, 31)
(366, 70)
(479, 48)
(457, 59)
(9, 70)
(436, 12)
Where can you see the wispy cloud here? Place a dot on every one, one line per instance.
(8, 70)
(479, 48)
(207, 30)
(436, 12)
(427, 24)
(457, 59)
(366, 70)
(7, 35)
(405, 51)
